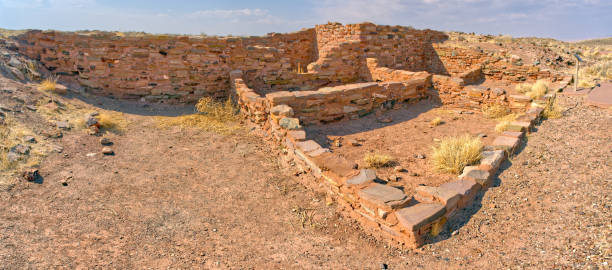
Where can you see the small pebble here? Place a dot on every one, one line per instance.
(107, 151)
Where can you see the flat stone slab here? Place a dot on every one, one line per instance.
(365, 176)
(307, 146)
(383, 195)
(506, 143)
(491, 160)
(297, 135)
(601, 96)
(481, 177)
(414, 217)
(447, 197)
(514, 134)
(464, 187)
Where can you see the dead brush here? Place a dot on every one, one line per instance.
(536, 90)
(214, 116)
(452, 154)
(377, 160)
(436, 122)
(495, 111)
(552, 110)
(306, 216)
(504, 122)
(113, 121)
(50, 85)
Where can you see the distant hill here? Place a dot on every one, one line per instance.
(596, 42)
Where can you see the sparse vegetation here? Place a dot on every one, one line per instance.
(378, 160)
(536, 90)
(50, 85)
(504, 122)
(436, 122)
(219, 117)
(454, 153)
(552, 110)
(113, 121)
(495, 111)
(590, 75)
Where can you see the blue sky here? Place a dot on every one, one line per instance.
(566, 20)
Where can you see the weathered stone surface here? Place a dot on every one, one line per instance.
(365, 176)
(514, 134)
(289, 123)
(282, 110)
(466, 188)
(491, 160)
(297, 135)
(108, 151)
(307, 146)
(447, 197)
(383, 195)
(523, 126)
(481, 177)
(506, 143)
(421, 214)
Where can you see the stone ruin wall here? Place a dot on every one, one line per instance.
(158, 66)
(185, 68)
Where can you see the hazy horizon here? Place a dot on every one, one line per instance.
(572, 20)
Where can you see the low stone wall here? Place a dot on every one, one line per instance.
(384, 211)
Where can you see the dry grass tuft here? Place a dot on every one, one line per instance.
(504, 122)
(113, 121)
(436, 122)
(377, 160)
(50, 85)
(538, 89)
(218, 117)
(495, 111)
(454, 153)
(523, 87)
(552, 110)
(600, 71)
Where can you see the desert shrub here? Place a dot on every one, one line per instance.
(113, 121)
(454, 153)
(538, 89)
(495, 111)
(50, 85)
(504, 122)
(436, 121)
(523, 87)
(377, 160)
(600, 71)
(552, 110)
(214, 116)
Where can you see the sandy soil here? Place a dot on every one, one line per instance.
(191, 199)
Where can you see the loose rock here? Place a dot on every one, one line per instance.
(107, 151)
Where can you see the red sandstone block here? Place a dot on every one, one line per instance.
(383, 197)
(466, 188)
(506, 143)
(482, 177)
(514, 134)
(296, 135)
(336, 164)
(281, 97)
(307, 146)
(419, 215)
(447, 197)
(492, 160)
(365, 176)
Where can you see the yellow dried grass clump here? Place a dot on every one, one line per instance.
(377, 160)
(454, 153)
(495, 111)
(214, 116)
(536, 90)
(504, 122)
(113, 121)
(50, 85)
(539, 89)
(436, 121)
(600, 71)
(552, 110)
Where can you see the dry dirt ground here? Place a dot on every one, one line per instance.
(408, 140)
(191, 199)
